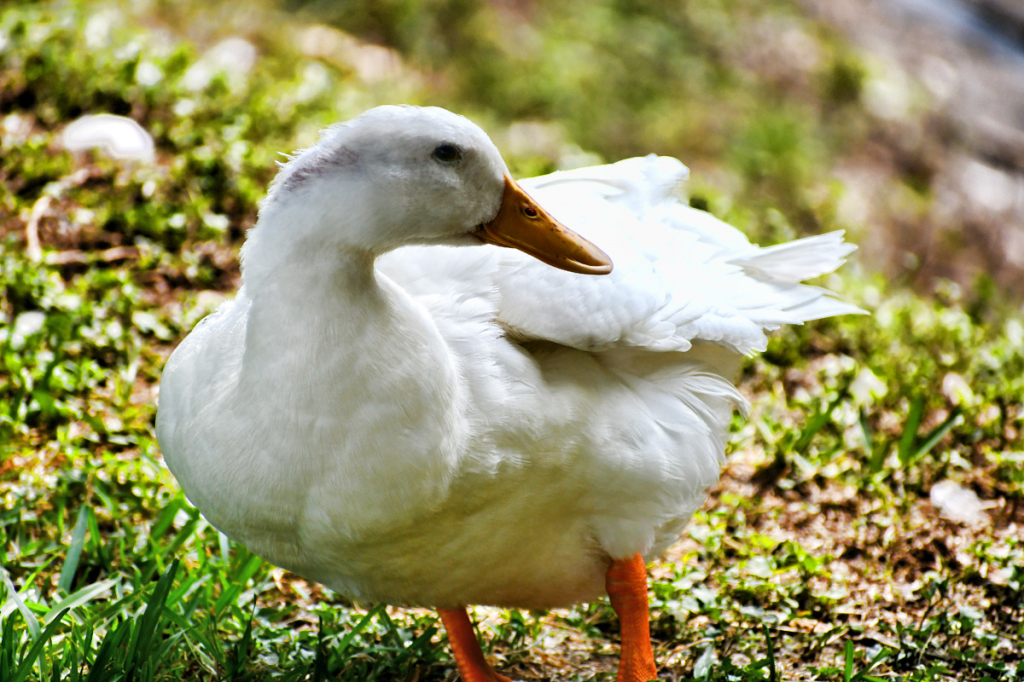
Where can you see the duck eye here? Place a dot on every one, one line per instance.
(447, 153)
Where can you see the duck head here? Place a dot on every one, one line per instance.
(401, 175)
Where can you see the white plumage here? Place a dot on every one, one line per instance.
(412, 420)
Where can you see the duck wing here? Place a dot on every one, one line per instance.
(681, 275)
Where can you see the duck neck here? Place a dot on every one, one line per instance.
(353, 348)
(305, 279)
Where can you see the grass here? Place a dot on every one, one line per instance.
(819, 556)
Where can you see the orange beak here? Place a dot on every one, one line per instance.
(522, 224)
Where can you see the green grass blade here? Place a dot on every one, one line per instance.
(203, 634)
(909, 437)
(82, 596)
(67, 574)
(320, 663)
(848, 666)
(103, 665)
(165, 519)
(876, 457)
(165, 647)
(773, 674)
(296, 675)
(30, 618)
(8, 647)
(236, 664)
(225, 548)
(171, 549)
(95, 541)
(865, 430)
(37, 647)
(194, 597)
(85, 644)
(238, 583)
(34, 576)
(182, 535)
(357, 628)
(933, 438)
(816, 423)
(863, 676)
(140, 649)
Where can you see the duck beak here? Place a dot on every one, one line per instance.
(522, 224)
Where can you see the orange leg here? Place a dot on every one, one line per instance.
(468, 656)
(626, 582)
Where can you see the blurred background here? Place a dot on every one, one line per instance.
(901, 121)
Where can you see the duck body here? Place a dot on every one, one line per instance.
(421, 421)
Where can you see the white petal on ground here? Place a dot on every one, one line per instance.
(117, 136)
(957, 503)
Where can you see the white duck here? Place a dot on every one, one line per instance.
(414, 423)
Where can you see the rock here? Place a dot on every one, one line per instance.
(117, 136)
(957, 503)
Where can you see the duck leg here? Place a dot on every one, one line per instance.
(626, 582)
(468, 656)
